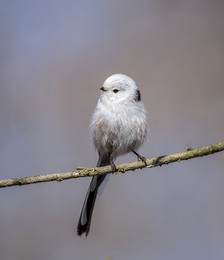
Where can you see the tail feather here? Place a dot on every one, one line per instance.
(88, 205)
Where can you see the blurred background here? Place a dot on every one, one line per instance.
(54, 57)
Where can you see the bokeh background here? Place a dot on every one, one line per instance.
(54, 57)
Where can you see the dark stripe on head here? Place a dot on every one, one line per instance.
(137, 97)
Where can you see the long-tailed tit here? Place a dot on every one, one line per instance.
(118, 126)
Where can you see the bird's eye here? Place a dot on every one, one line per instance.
(115, 90)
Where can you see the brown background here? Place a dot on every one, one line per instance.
(54, 57)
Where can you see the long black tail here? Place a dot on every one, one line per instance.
(88, 205)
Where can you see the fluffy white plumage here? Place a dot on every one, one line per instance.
(120, 119)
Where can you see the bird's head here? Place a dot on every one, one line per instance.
(120, 88)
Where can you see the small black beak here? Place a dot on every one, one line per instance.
(103, 89)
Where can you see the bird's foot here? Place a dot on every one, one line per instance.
(114, 169)
(140, 158)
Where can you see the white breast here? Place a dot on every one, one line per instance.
(118, 129)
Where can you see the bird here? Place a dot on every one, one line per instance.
(119, 125)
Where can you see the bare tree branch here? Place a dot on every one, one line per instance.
(85, 172)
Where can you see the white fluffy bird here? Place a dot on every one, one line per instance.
(118, 126)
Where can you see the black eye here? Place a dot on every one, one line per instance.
(115, 90)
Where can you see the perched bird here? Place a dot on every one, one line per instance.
(118, 126)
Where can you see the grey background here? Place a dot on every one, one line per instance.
(54, 57)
